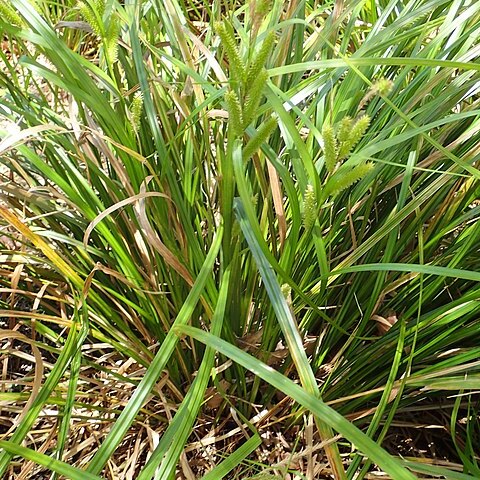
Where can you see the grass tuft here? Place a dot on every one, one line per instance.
(239, 241)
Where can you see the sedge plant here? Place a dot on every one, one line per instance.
(228, 223)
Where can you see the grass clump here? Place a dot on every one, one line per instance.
(239, 243)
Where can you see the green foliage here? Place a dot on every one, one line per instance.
(319, 244)
(266, 476)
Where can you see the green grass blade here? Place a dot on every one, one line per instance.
(437, 471)
(312, 403)
(76, 336)
(369, 61)
(385, 399)
(407, 267)
(179, 429)
(61, 468)
(155, 369)
(279, 304)
(69, 402)
(234, 459)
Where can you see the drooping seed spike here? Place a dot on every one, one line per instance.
(236, 64)
(259, 60)
(89, 16)
(262, 135)
(356, 133)
(111, 39)
(235, 120)
(100, 7)
(263, 7)
(309, 207)
(10, 15)
(344, 129)
(286, 290)
(383, 86)
(329, 147)
(344, 179)
(254, 97)
(136, 109)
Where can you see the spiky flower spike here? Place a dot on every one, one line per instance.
(263, 7)
(356, 133)
(383, 86)
(286, 290)
(259, 11)
(345, 178)
(380, 87)
(329, 147)
(136, 108)
(237, 66)
(99, 7)
(309, 207)
(9, 14)
(254, 97)
(254, 144)
(344, 129)
(111, 39)
(235, 120)
(260, 59)
(91, 18)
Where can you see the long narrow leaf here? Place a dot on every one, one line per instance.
(155, 369)
(365, 444)
(52, 464)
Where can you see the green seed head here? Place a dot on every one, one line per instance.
(254, 97)
(234, 107)
(262, 135)
(286, 290)
(344, 129)
(89, 16)
(329, 147)
(9, 14)
(111, 39)
(136, 109)
(100, 7)
(260, 59)
(355, 135)
(309, 207)
(263, 7)
(236, 64)
(344, 179)
(382, 86)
